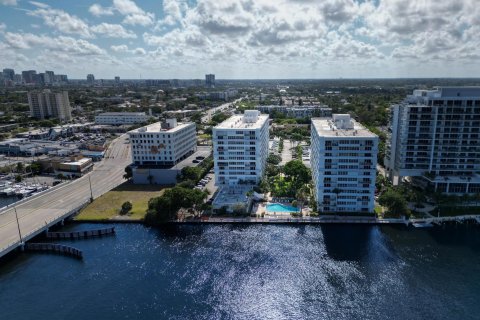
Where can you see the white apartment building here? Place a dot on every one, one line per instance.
(47, 104)
(343, 163)
(240, 148)
(435, 139)
(120, 118)
(163, 144)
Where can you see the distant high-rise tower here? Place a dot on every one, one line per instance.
(29, 76)
(8, 74)
(49, 77)
(90, 78)
(117, 79)
(46, 104)
(210, 80)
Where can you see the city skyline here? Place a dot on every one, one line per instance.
(242, 39)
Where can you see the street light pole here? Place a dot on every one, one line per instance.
(91, 192)
(18, 225)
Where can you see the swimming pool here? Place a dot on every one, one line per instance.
(277, 207)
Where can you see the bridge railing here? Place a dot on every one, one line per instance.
(27, 236)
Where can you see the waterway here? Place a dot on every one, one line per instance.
(251, 272)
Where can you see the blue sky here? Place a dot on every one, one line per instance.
(242, 38)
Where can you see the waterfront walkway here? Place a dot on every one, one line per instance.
(283, 219)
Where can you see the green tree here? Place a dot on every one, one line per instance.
(296, 171)
(395, 202)
(274, 159)
(190, 173)
(164, 208)
(20, 167)
(126, 207)
(128, 173)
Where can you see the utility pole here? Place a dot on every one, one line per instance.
(18, 225)
(91, 192)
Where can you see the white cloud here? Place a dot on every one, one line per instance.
(113, 31)
(98, 11)
(39, 4)
(120, 48)
(62, 44)
(124, 49)
(139, 19)
(139, 51)
(134, 15)
(8, 2)
(62, 21)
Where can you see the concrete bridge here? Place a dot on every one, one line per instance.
(37, 214)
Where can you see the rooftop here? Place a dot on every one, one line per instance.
(157, 127)
(340, 125)
(444, 92)
(251, 119)
(122, 114)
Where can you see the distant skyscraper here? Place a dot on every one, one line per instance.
(90, 78)
(29, 76)
(8, 74)
(49, 77)
(117, 79)
(17, 79)
(46, 104)
(210, 80)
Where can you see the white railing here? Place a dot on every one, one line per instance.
(38, 230)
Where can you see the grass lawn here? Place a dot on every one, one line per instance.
(448, 211)
(108, 206)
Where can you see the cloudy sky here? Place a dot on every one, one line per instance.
(243, 38)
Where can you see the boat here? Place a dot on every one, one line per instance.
(422, 224)
(9, 191)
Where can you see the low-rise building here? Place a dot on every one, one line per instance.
(343, 163)
(121, 118)
(74, 166)
(160, 149)
(304, 111)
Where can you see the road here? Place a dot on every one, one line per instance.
(206, 118)
(39, 210)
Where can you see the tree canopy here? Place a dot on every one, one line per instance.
(395, 202)
(164, 208)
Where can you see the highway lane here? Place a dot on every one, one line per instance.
(36, 212)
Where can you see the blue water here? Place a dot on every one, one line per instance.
(251, 272)
(277, 207)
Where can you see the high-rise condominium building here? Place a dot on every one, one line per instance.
(8, 74)
(163, 144)
(29, 76)
(343, 163)
(435, 139)
(49, 77)
(90, 78)
(47, 104)
(240, 148)
(210, 80)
